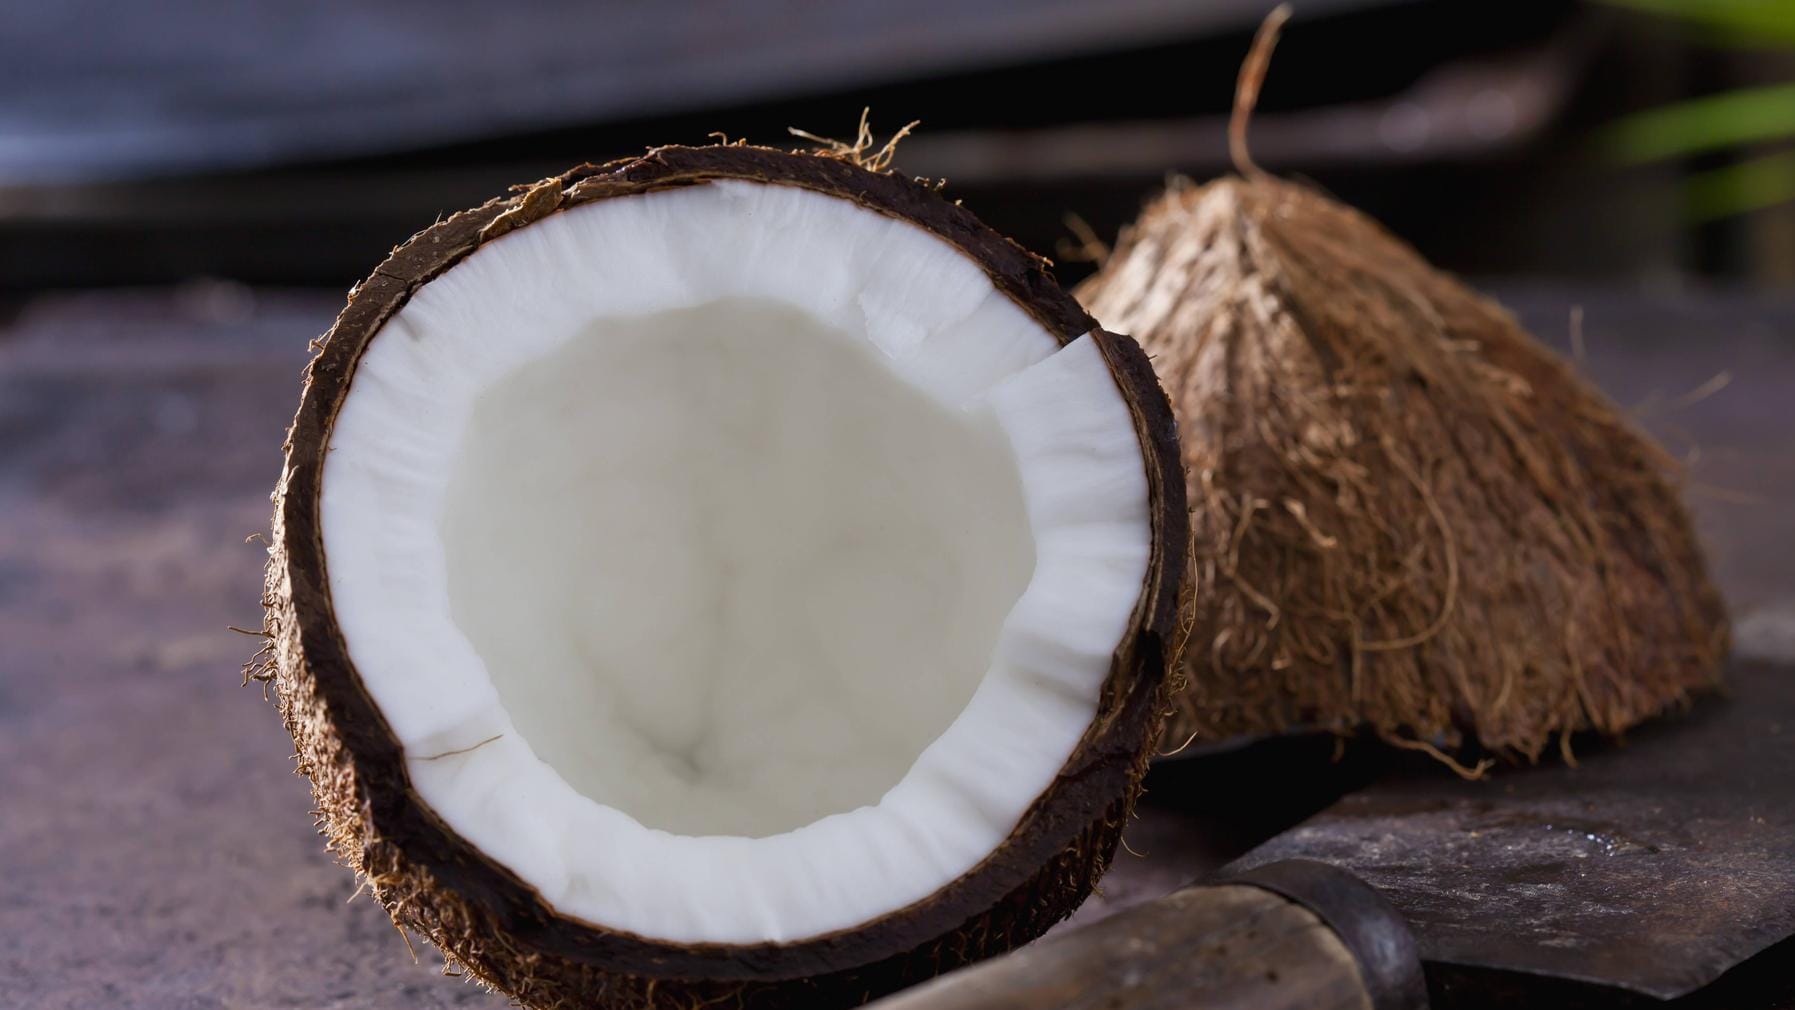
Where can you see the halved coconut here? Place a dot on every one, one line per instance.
(726, 575)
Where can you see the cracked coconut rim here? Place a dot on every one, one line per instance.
(733, 563)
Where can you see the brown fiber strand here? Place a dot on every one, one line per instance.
(861, 152)
(1247, 85)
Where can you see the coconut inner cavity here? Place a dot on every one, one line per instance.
(729, 573)
(733, 563)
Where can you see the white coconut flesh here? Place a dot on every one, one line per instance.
(734, 563)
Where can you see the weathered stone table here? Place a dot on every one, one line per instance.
(155, 848)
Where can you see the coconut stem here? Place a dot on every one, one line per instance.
(1246, 88)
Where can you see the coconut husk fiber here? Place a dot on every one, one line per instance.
(1408, 516)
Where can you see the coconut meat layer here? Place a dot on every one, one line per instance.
(734, 563)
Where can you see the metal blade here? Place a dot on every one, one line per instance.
(1653, 866)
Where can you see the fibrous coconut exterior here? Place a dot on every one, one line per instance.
(1408, 516)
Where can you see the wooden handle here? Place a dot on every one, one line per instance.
(1214, 947)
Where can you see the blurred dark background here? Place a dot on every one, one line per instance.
(293, 144)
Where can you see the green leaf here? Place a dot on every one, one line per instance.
(1739, 189)
(1763, 22)
(1713, 122)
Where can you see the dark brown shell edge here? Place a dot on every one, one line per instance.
(494, 926)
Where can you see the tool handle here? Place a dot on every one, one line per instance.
(1247, 943)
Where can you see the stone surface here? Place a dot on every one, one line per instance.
(155, 848)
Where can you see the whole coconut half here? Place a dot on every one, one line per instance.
(1408, 516)
(723, 577)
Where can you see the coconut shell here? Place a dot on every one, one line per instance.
(494, 927)
(1408, 516)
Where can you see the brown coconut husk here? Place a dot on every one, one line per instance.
(1408, 516)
